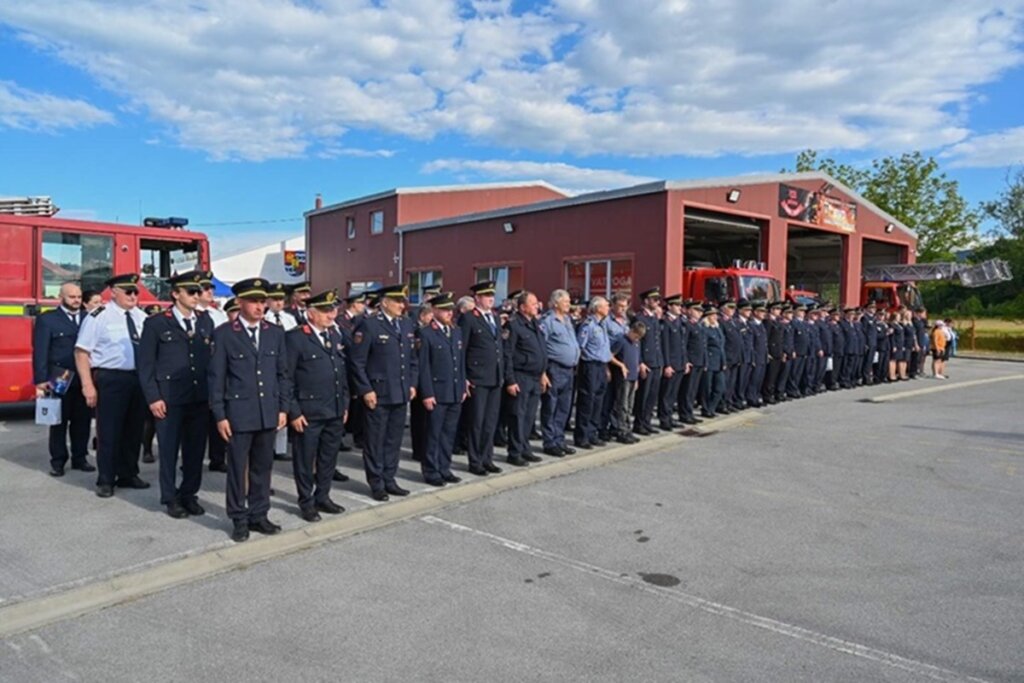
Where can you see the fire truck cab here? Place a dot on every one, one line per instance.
(41, 253)
(747, 280)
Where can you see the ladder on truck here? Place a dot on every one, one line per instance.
(976, 275)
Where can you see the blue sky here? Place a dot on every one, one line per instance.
(240, 111)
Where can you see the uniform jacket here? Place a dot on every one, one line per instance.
(384, 360)
(651, 353)
(317, 375)
(248, 387)
(870, 329)
(788, 338)
(733, 341)
(674, 334)
(53, 344)
(696, 344)
(485, 353)
(801, 336)
(525, 349)
(442, 364)
(716, 347)
(174, 367)
(746, 339)
(760, 335)
(776, 337)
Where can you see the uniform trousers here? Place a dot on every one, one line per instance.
(385, 425)
(484, 408)
(683, 403)
(443, 421)
(796, 376)
(75, 417)
(184, 429)
(418, 426)
(771, 379)
(555, 404)
(250, 461)
(668, 396)
(592, 382)
(646, 398)
(743, 374)
(314, 457)
(693, 383)
(784, 373)
(713, 390)
(732, 380)
(524, 411)
(625, 393)
(216, 447)
(757, 372)
(355, 423)
(120, 411)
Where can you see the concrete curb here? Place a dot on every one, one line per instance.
(936, 389)
(35, 613)
(1002, 359)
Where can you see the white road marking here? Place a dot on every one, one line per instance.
(718, 609)
(896, 396)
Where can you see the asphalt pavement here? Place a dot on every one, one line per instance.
(824, 539)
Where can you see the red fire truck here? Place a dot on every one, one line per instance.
(41, 253)
(743, 280)
(891, 287)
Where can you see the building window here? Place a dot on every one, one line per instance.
(361, 286)
(420, 280)
(73, 257)
(350, 227)
(599, 277)
(376, 222)
(506, 278)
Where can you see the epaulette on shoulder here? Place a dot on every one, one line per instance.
(434, 324)
(237, 326)
(306, 329)
(476, 312)
(168, 314)
(98, 311)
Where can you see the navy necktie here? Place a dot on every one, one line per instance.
(133, 331)
(252, 335)
(188, 327)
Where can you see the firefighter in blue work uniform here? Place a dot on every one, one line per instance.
(673, 345)
(442, 387)
(105, 359)
(383, 370)
(485, 372)
(318, 403)
(249, 396)
(651, 363)
(174, 360)
(526, 364)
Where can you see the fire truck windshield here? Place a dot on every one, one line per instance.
(909, 295)
(759, 287)
(160, 259)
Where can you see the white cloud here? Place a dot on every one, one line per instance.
(573, 179)
(1005, 148)
(257, 79)
(29, 110)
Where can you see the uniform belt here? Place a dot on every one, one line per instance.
(131, 372)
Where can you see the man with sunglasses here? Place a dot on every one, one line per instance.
(174, 359)
(214, 444)
(206, 301)
(105, 356)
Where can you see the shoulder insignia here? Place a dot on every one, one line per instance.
(168, 314)
(236, 326)
(306, 329)
(98, 311)
(505, 333)
(357, 337)
(434, 325)
(476, 312)
(416, 343)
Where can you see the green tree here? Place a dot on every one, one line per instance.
(912, 189)
(1008, 209)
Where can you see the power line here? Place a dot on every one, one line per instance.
(268, 220)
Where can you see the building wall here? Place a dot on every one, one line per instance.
(417, 207)
(545, 241)
(266, 262)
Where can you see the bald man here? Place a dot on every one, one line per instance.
(53, 362)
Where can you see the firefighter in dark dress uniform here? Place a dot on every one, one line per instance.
(53, 355)
(355, 307)
(442, 386)
(673, 332)
(250, 398)
(526, 364)
(651, 363)
(105, 358)
(174, 360)
(481, 338)
(318, 402)
(299, 293)
(419, 420)
(383, 370)
(696, 361)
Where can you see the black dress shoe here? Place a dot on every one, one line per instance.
(568, 450)
(599, 442)
(193, 508)
(554, 451)
(705, 414)
(284, 457)
(478, 471)
(220, 467)
(691, 421)
(530, 457)
(517, 462)
(133, 483)
(84, 467)
(451, 478)
(622, 438)
(176, 511)
(147, 456)
(380, 495)
(57, 470)
(240, 533)
(665, 426)
(585, 445)
(104, 490)
(339, 476)
(459, 451)
(395, 490)
(310, 515)
(330, 507)
(435, 482)
(492, 468)
(536, 436)
(264, 526)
